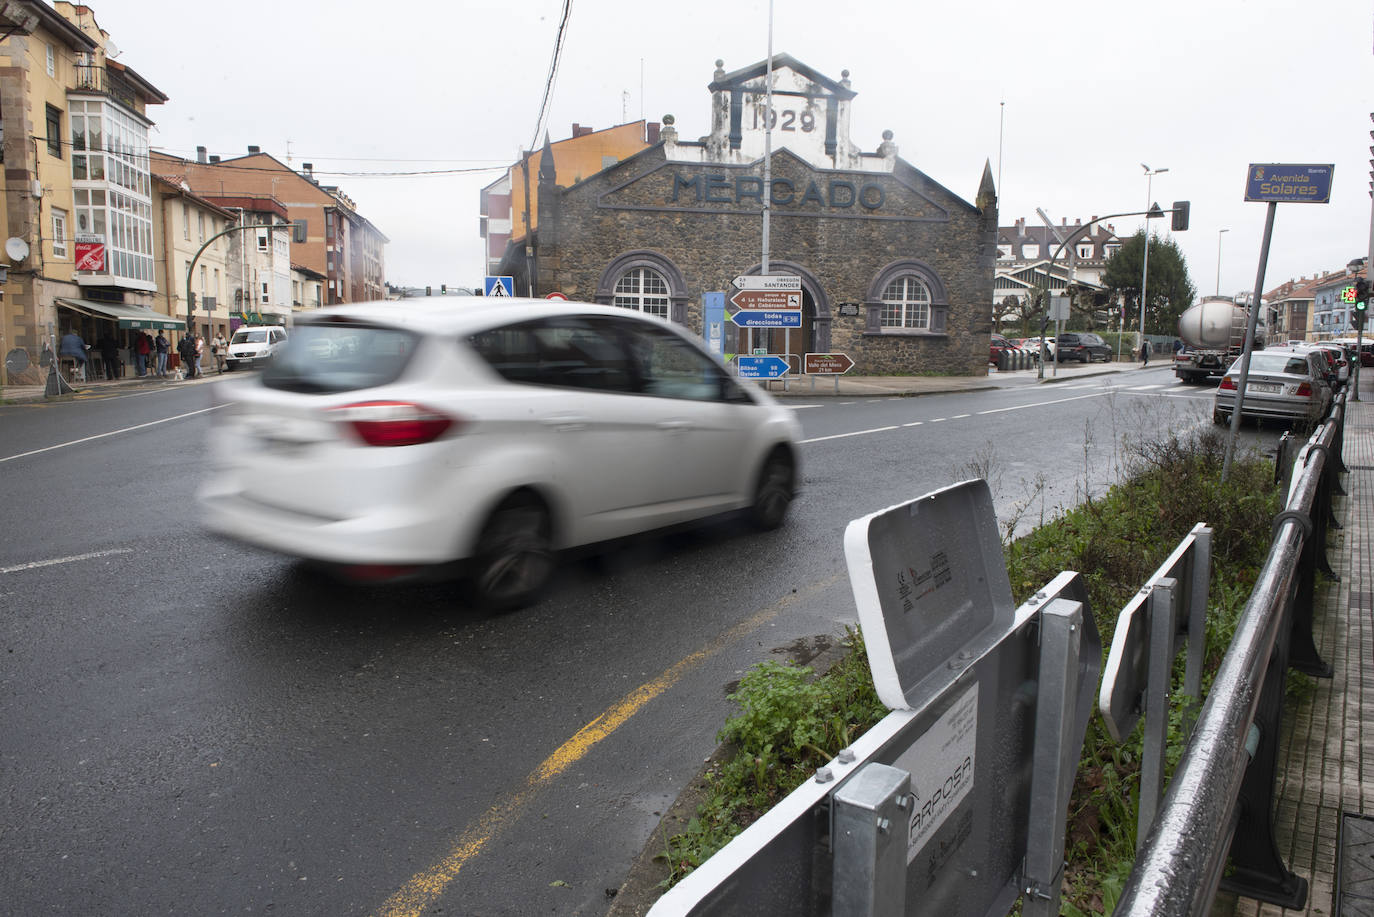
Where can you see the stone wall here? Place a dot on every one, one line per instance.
(692, 217)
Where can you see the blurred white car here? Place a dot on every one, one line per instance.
(490, 436)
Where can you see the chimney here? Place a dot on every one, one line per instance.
(254, 149)
(580, 131)
(214, 159)
(200, 154)
(309, 170)
(652, 128)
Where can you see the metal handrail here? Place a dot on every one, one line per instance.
(1179, 866)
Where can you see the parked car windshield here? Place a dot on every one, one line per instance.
(250, 336)
(340, 357)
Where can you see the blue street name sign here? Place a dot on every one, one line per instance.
(755, 318)
(1289, 184)
(769, 367)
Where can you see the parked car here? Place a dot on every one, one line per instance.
(1042, 348)
(254, 345)
(1083, 346)
(999, 344)
(483, 440)
(1338, 358)
(1284, 383)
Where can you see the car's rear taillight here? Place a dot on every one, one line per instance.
(1228, 383)
(1305, 390)
(393, 423)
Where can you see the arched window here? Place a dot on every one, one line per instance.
(644, 290)
(906, 303)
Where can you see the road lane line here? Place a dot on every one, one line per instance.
(87, 439)
(420, 893)
(821, 439)
(34, 565)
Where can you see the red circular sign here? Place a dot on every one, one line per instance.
(556, 295)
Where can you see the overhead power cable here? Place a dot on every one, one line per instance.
(553, 74)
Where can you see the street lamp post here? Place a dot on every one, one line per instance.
(1219, 232)
(1145, 269)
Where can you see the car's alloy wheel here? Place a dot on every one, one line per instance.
(514, 557)
(773, 493)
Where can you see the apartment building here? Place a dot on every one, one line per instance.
(77, 221)
(513, 199)
(330, 237)
(185, 224)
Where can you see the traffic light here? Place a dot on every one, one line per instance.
(1180, 216)
(1361, 295)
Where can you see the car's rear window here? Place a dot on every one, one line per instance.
(1266, 362)
(340, 357)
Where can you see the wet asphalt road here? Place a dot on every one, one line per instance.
(189, 726)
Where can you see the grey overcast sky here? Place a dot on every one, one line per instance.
(1065, 101)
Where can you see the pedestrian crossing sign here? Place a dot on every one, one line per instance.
(499, 286)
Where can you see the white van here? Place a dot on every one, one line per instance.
(253, 345)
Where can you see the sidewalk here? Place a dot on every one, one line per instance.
(1326, 767)
(27, 394)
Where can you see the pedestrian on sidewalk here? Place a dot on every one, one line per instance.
(109, 355)
(72, 346)
(186, 349)
(163, 348)
(142, 347)
(220, 348)
(200, 352)
(1144, 353)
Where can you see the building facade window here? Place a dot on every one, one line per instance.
(54, 120)
(200, 227)
(52, 62)
(906, 303)
(186, 221)
(644, 290)
(1085, 252)
(262, 241)
(265, 292)
(59, 233)
(112, 187)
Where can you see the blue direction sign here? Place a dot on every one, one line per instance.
(762, 318)
(769, 367)
(1289, 184)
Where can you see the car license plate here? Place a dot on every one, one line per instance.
(1269, 388)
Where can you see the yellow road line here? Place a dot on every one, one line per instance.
(424, 888)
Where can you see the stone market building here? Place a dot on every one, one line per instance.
(896, 270)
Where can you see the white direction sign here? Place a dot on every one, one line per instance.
(788, 282)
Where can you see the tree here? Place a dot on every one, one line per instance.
(1168, 287)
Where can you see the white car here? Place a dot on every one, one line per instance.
(491, 435)
(254, 345)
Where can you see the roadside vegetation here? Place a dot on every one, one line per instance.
(790, 722)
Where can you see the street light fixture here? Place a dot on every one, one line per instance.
(1145, 268)
(1219, 232)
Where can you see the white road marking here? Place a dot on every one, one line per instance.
(87, 439)
(821, 439)
(34, 565)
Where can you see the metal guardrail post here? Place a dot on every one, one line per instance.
(1215, 802)
(1163, 624)
(869, 837)
(1055, 756)
(1197, 620)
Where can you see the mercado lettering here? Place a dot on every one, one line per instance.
(719, 188)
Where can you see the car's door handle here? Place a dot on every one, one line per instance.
(675, 426)
(566, 423)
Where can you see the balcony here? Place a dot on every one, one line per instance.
(90, 78)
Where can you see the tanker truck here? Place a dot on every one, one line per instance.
(1213, 333)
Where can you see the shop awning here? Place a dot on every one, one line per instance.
(126, 314)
